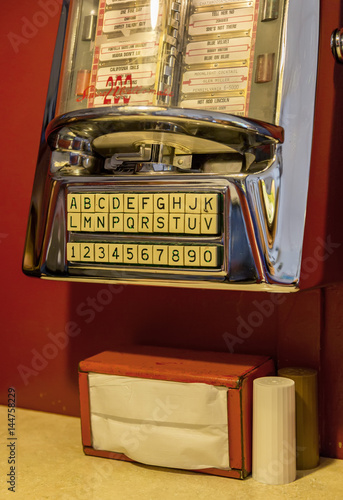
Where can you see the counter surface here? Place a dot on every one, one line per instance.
(50, 464)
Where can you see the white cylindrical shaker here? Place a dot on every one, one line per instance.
(274, 446)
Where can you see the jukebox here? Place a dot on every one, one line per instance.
(177, 144)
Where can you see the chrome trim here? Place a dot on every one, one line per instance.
(250, 287)
(91, 123)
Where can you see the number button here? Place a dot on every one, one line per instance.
(101, 252)
(145, 254)
(160, 255)
(209, 257)
(87, 252)
(130, 254)
(73, 252)
(192, 256)
(175, 256)
(115, 253)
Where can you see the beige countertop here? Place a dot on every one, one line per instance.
(50, 464)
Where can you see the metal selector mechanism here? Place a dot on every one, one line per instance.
(163, 138)
(337, 44)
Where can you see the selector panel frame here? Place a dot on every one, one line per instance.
(127, 231)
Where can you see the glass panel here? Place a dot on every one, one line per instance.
(121, 53)
(198, 54)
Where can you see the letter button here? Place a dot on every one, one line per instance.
(87, 203)
(116, 222)
(177, 223)
(146, 223)
(210, 203)
(177, 203)
(87, 222)
(146, 203)
(100, 222)
(101, 202)
(131, 203)
(210, 224)
(74, 222)
(192, 224)
(116, 202)
(74, 202)
(161, 203)
(161, 223)
(130, 223)
(193, 203)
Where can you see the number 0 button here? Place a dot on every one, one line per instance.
(209, 257)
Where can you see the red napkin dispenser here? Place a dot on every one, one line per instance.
(182, 409)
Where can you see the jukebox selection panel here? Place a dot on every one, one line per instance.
(218, 56)
(199, 54)
(103, 223)
(135, 53)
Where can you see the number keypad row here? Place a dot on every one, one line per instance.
(145, 254)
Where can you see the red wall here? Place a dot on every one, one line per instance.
(304, 328)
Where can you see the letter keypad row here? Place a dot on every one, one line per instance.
(145, 254)
(177, 213)
(191, 203)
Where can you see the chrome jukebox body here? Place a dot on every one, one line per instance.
(177, 144)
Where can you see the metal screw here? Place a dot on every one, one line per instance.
(337, 44)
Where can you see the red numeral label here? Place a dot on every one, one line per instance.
(118, 89)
